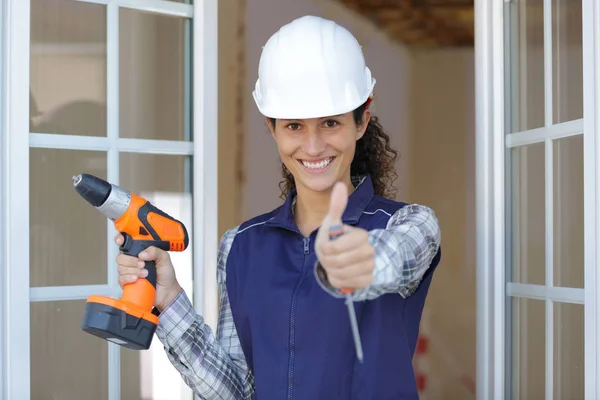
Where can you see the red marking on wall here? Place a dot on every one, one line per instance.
(422, 345)
(421, 382)
(468, 382)
(421, 350)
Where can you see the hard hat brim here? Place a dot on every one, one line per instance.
(304, 111)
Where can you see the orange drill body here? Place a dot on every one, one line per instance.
(129, 321)
(167, 229)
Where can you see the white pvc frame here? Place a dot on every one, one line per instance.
(489, 124)
(591, 144)
(493, 291)
(3, 145)
(15, 212)
(16, 140)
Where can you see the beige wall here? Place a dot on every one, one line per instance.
(442, 174)
(232, 126)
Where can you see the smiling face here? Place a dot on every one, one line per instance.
(318, 152)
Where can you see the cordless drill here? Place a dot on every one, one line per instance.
(129, 321)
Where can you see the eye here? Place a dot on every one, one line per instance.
(330, 123)
(294, 126)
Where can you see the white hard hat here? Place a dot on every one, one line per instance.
(311, 68)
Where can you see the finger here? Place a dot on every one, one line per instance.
(122, 270)
(119, 239)
(346, 279)
(356, 255)
(153, 253)
(337, 205)
(351, 240)
(348, 272)
(126, 279)
(129, 261)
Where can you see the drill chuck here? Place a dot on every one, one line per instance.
(109, 199)
(94, 190)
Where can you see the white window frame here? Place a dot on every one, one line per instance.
(591, 143)
(493, 293)
(3, 247)
(15, 217)
(15, 141)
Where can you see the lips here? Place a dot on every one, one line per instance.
(317, 165)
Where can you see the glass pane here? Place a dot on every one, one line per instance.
(68, 235)
(567, 60)
(528, 214)
(66, 363)
(151, 82)
(164, 181)
(568, 351)
(568, 212)
(528, 349)
(526, 55)
(68, 68)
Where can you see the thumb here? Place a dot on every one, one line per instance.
(154, 254)
(337, 205)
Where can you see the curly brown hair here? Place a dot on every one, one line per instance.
(373, 156)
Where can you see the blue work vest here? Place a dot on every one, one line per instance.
(295, 336)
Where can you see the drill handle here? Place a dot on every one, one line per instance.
(133, 248)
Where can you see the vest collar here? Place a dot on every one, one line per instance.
(357, 202)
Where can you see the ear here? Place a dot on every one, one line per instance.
(271, 127)
(362, 128)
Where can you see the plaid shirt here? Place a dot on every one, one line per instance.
(215, 367)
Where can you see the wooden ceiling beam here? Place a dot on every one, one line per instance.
(420, 22)
(444, 3)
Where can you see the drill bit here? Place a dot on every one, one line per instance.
(336, 231)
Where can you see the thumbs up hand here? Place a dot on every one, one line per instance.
(348, 260)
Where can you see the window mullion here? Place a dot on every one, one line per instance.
(112, 172)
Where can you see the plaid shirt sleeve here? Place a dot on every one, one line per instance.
(404, 251)
(214, 367)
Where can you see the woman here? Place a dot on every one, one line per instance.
(283, 329)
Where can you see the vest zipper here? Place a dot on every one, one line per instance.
(306, 241)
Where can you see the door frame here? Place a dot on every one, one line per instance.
(15, 294)
(15, 211)
(2, 196)
(491, 224)
(591, 148)
(489, 194)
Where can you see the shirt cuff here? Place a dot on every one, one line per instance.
(175, 320)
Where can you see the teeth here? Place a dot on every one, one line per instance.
(317, 165)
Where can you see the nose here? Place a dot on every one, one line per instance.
(314, 144)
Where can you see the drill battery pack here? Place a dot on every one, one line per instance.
(117, 325)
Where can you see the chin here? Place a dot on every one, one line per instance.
(320, 184)
(317, 182)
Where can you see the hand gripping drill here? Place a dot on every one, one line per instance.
(129, 321)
